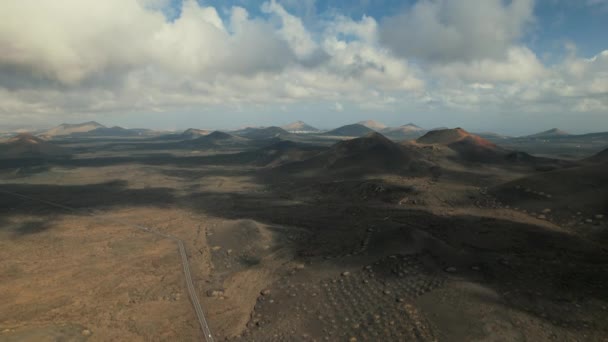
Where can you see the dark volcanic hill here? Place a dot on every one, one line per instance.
(552, 133)
(215, 139)
(600, 157)
(444, 136)
(470, 147)
(354, 130)
(219, 136)
(193, 133)
(285, 151)
(371, 154)
(189, 134)
(263, 133)
(26, 145)
(477, 149)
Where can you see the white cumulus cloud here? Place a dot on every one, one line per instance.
(464, 30)
(122, 56)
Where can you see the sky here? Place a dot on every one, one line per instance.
(507, 66)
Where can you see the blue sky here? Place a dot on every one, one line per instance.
(512, 66)
(579, 22)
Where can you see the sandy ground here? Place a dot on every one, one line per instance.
(104, 280)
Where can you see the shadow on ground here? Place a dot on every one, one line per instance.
(536, 268)
(84, 197)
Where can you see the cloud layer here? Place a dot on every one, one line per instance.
(86, 56)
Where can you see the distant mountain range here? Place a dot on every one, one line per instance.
(483, 147)
(408, 131)
(115, 131)
(90, 129)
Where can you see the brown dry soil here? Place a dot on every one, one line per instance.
(388, 258)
